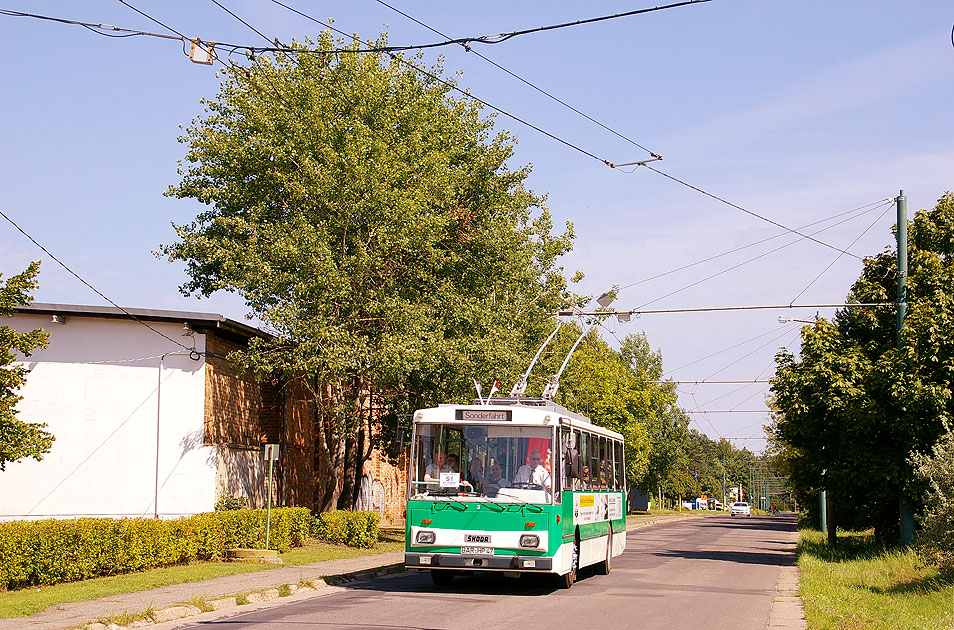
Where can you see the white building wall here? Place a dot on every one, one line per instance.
(98, 389)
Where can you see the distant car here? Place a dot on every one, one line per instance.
(741, 508)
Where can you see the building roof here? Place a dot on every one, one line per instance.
(198, 322)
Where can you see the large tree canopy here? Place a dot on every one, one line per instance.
(373, 223)
(18, 439)
(853, 407)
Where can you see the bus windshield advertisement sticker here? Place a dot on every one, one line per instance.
(450, 479)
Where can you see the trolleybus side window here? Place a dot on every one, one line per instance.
(594, 462)
(620, 471)
(585, 458)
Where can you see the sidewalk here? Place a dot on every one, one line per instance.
(169, 603)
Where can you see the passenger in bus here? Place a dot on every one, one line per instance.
(534, 472)
(454, 462)
(495, 480)
(476, 476)
(437, 466)
(572, 464)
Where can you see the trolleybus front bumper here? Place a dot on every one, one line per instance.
(457, 561)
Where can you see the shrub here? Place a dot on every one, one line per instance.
(936, 540)
(333, 526)
(53, 551)
(355, 529)
(227, 502)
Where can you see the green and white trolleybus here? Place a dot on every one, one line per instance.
(513, 485)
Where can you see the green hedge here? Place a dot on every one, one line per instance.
(54, 551)
(355, 529)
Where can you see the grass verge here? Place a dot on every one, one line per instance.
(28, 601)
(864, 586)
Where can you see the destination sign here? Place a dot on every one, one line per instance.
(483, 415)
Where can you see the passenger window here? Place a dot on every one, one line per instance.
(620, 469)
(594, 461)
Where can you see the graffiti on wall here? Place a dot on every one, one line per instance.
(372, 496)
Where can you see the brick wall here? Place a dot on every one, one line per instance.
(236, 411)
(242, 415)
(384, 487)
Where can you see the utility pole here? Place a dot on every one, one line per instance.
(723, 482)
(907, 517)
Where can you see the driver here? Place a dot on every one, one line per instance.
(534, 472)
(436, 467)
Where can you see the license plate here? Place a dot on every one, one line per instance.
(478, 551)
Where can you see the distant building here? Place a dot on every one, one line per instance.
(146, 427)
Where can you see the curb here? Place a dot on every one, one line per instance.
(144, 619)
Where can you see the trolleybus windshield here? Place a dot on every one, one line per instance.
(503, 463)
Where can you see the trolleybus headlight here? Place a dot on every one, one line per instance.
(425, 537)
(529, 540)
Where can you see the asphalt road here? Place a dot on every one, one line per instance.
(714, 572)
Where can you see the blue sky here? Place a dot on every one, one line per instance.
(797, 111)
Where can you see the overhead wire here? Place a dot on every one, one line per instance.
(746, 211)
(452, 86)
(502, 37)
(552, 136)
(838, 257)
(90, 286)
(465, 41)
(861, 210)
(94, 27)
(501, 111)
(718, 352)
(748, 354)
(521, 79)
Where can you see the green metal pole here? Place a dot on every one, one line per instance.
(723, 482)
(268, 505)
(823, 512)
(907, 517)
(902, 203)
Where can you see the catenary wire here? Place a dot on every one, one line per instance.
(502, 37)
(96, 28)
(749, 212)
(838, 257)
(743, 263)
(454, 87)
(748, 354)
(718, 352)
(90, 286)
(522, 80)
(865, 209)
(464, 41)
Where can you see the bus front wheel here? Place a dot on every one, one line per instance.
(604, 568)
(567, 579)
(442, 578)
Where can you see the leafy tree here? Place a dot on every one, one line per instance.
(372, 222)
(680, 484)
(18, 439)
(619, 390)
(853, 407)
(601, 384)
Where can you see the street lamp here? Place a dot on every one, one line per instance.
(784, 319)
